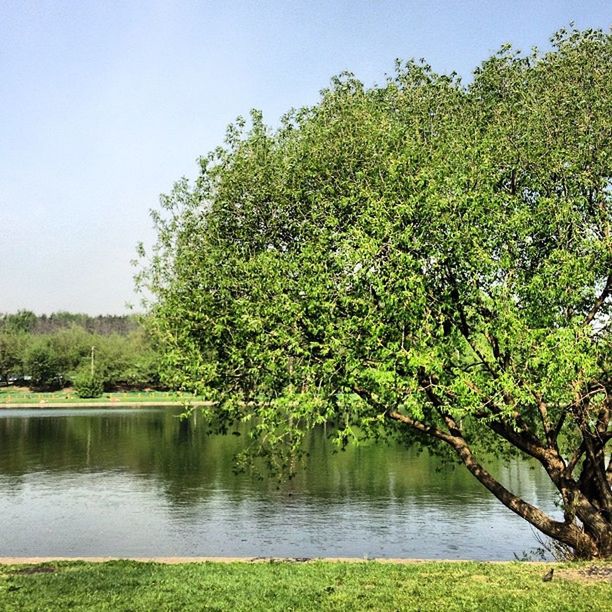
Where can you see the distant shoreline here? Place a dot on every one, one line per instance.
(104, 404)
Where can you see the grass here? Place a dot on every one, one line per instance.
(130, 585)
(22, 395)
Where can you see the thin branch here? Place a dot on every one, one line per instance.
(524, 439)
(573, 462)
(420, 426)
(543, 410)
(560, 423)
(599, 301)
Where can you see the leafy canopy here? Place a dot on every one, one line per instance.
(420, 255)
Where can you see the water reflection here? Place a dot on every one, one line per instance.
(143, 482)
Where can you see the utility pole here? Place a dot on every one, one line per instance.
(93, 350)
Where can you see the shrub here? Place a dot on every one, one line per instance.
(86, 385)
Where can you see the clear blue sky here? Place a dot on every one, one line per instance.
(103, 105)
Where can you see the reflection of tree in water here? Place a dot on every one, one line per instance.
(190, 465)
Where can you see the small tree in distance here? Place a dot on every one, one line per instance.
(420, 259)
(87, 383)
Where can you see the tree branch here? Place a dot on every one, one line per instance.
(524, 439)
(549, 432)
(596, 460)
(560, 423)
(432, 430)
(550, 459)
(568, 533)
(573, 462)
(599, 301)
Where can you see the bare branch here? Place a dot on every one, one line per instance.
(543, 410)
(573, 462)
(599, 301)
(560, 423)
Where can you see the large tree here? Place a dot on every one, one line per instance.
(419, 258)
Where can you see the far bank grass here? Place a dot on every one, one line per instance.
(22, 395)
(129, 585)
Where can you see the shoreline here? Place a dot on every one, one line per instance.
(247, 560)
(105, 404)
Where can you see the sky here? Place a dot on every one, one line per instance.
(103, 105)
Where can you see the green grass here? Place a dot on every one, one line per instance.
(440, 586)
(21, 395)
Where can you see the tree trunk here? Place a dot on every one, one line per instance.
(587, 543)
(590, 540)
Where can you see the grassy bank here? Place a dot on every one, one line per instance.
(129, 585)
(22, 395)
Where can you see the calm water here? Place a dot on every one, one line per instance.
(142, 482)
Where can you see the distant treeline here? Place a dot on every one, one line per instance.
(53, 351)
(27, 321)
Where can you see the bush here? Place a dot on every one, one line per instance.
(87, 386)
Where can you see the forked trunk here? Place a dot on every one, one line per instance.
(589, 538)
(586, 529)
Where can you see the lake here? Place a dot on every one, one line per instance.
(142, 482)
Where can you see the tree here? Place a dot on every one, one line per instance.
(87, 384)
(11, 354)
(43, 365)
(22, 321)
(420, 258)
(71, 346)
